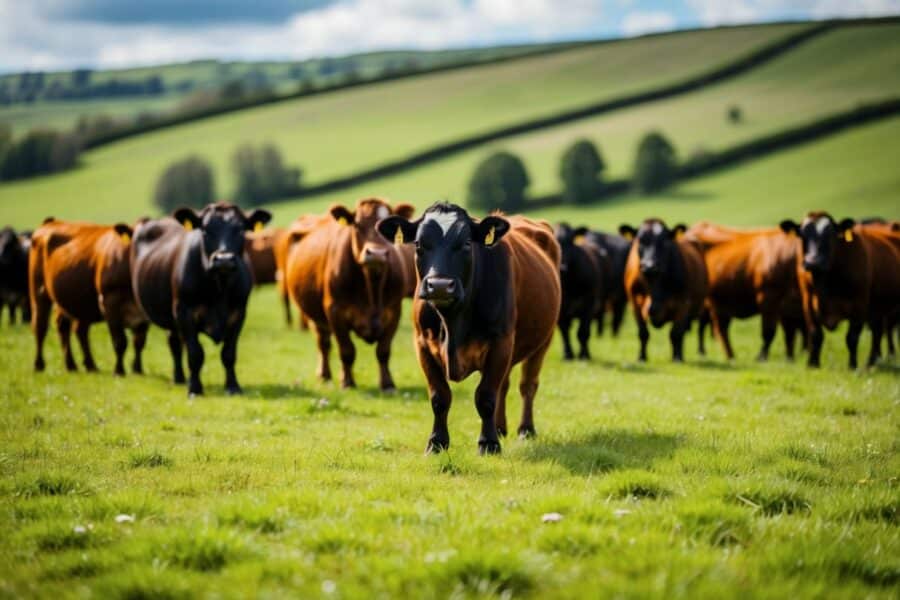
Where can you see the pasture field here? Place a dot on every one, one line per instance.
(705, 479)
(389, 120)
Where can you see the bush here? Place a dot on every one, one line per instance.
(187, 182)
(735, 114)
(656, 165)
(262, 176)
(580, 170)
(40, 152)
(499, 182)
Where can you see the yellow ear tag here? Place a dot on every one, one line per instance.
(125, 237)
(258, 226)
(398, 237)
(489, 238)
(579, 239)
(678, 234)
(848, 235)
(188, 225)
(342, 221)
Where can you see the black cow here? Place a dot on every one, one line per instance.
(617, 249)
(14, 273)
(583, 272)
(190, 276)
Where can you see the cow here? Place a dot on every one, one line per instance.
(846, 271)
(84, 270)
(751, 271)
(891, 323)
(260, 249)
(345, 277)
(666, 281)
(189, 276)
(14, 273)
(617, 249)
(584, 271)
(488, 298)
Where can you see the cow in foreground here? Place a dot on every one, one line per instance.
(751, 271)
(488, 298)
(84, 270)
(666, 281)
(345, 277)
(617, 248)
(190, 277)
(14, 273)
(584, 275)
(846, 271)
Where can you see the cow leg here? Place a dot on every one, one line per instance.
(702, 322)
(139, 335)
(852, 339)
(188, 332)
(323, 339)
(64, 329)
(769, 328)
(565, 323)
(441, 397)
(120, 344)
(790, 332)
(720, 325)
(81, 332)
(383, 354)
(584, 334)
(889, 325)
(617, 316)
(877, 327)
(500, 410)
(495, 371)
(175, 350)
(26, 310)
(40, 320)
(348, 356)
(12, 312)
(816, 336)
(229, 355)
(600, 317)
(676, 337)
(528, 387)
(286, 302)
(643, 333)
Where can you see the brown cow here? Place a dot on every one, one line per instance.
(846, 271)
(345, 277)
(84, 270)
(665, 279)
(260, 249)
(750, 271)
(488, 298)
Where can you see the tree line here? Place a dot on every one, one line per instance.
(33, 86)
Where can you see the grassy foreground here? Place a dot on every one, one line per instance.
(699, 480)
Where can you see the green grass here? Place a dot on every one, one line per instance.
(339, 133)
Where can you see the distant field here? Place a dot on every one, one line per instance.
(64, 115)
(341, 132)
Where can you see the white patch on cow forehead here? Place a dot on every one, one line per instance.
(657, 228)
(444, 219)
(822, 224)
(383, 212)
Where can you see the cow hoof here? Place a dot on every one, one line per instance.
(119, 372)
(137, 369)
(39, 366)
(584, 357)
(527, 432)
(501, 431)
(389, 389)
(71, 367)
(92, 369)
(348, 385)
(568, 357)
(488, 447)
(179, 379)
(437, 445)
(195, 391)
(234, 390)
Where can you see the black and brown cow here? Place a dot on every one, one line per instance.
(584, 273)
(488, 298)
(14, 249)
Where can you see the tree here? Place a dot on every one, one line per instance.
(187, 182)
(39, 152)
(656, 165)
(499, 182)
(580, 170)
(735, 114)
(262, 175)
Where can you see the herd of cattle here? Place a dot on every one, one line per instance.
(487, 294)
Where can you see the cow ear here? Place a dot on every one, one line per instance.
(580, 232)
(404, 209)
(489, 230)
(188, 217)
(845, 227)
(678, 231)
(627, 231)
(125, 232)
(397, 229)
(789, 226)
(257, 219)
(341, 214)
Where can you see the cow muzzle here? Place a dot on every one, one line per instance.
(440, 291)
(223, 262)
(813, 265)
(649, 268)
(374, 256)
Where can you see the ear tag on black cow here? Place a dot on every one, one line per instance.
(489, 238)
(342, 221)
(398, 237)
(848, 235)
(579, 239)
(126, 237)
(258, 227)
(188, 225)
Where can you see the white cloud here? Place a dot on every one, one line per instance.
(718, 12)
(637, 23)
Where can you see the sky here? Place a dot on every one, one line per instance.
(65, 34)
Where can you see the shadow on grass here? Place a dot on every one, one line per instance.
(415, 393)
(712, 364)
(279, 391)
(605, 450)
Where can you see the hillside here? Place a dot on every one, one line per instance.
(388, 120)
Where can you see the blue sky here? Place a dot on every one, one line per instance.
(59, 34)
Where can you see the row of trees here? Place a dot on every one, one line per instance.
(260, 172)
(39, 152)
(29, 87)
(501, 180)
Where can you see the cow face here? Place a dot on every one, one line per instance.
(222, 227)
(820, 236)
(447, 241)
(370, 249)
(655, 245)
(567, 237)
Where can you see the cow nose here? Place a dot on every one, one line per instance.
(439, 287)
(649, 268)
(374, 255)
(224, 260)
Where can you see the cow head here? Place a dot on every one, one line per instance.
(446, 240)
(820, 236)
(655, 245)
(10, 247)
(568, 239)
(222, 227)
(370, 250)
